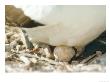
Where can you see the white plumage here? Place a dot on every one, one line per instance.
(75, 25)
(66, 25)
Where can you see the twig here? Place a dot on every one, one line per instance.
(40, 58)
(91, 58)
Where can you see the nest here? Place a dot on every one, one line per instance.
(20, 59)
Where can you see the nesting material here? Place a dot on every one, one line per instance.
(7, 48)
(25, 60)
(29, 62)
(48, 53)
(44, 50)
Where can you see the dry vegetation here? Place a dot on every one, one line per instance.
(20, 59)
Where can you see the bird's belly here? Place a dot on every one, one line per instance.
(69, 25)
(59, 34)
(69, 37)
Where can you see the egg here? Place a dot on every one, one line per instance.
(64, 53)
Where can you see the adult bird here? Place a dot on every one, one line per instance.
(65, 26)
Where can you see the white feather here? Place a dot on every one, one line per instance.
(67, 25)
